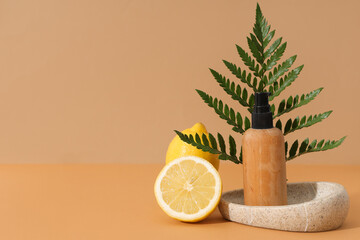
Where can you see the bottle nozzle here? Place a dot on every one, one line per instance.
(262, 99)
(261, 115)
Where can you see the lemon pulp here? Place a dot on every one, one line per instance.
(188, 189)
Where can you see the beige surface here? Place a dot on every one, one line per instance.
(86, 202)
(94, 81)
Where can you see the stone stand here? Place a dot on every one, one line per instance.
(312, 207)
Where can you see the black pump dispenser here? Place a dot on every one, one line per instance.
(262, 115)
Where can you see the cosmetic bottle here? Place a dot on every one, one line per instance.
(263, 150)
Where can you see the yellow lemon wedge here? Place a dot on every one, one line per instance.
(177, 148)
(188, 189)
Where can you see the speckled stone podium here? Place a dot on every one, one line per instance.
(312, 207)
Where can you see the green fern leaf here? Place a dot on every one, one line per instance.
(232, 146)
(221, 142)
(312, 144)
(293, 149)
(305, 147)
(257, 44)
(190, 140)
(242, 75)
(293, 125)
(288, 126)
(197, 138)
(240, 156)
(272, 109)
(268, 38)
(213, 142)
(255, 51)
(275, 57)
(261, 27)
(224, 112)
(280, 70)
(293, 103)
(248, 61)
(205, 140)
(319, 145)
(207, 148)
(272, 48)
(278, 124)
(285, 82)
(234, 90)
(247, 123)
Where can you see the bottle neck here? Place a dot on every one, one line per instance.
(262, 120)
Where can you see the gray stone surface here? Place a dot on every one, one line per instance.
(312, 207)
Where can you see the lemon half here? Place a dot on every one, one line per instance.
(188, 189)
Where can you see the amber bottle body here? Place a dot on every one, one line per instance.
(264, 167)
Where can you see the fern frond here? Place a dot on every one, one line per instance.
(280, 70)
(275, 57)
(271, 61)
(225, 112)
(314, 146)
(242, 75)
(272, 48)
(295, 102)
(209, 144)
(248, 61)
(268, 38)
(254, 48)
(280, 86)
(257, 44)
(261, 27)
(234, 90)
(297, 123)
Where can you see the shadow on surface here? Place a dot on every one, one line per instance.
(214, 218)
(348, 225)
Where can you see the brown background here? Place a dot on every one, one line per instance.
(108, 81)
